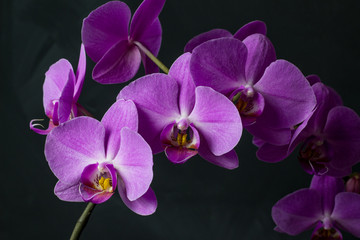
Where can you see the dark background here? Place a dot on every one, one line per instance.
(196, 200)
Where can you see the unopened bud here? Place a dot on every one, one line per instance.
(353, 184)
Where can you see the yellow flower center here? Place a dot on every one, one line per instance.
(105, 184)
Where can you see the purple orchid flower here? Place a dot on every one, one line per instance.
(330, 137)
(243, 32)
(115, 50)
(271, 95)
(91, 159)
(184, 120)
(324, 206)
(61, 91)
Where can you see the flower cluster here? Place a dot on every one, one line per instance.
(221, 84)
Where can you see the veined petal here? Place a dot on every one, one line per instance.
(104, 27)
(70, 147)
(156, 99)
(342, 132)
(69, 193)
(217, 120)
(66, 99)
(289, 98)
(204, 37)
(144, 16)
(261, 53)
(55, 80)
(180, 71)
(327, 187)
(80, 73)
(347, 212)
(121, 114)
(251, 28)
(119, 64)
(298, 211)
(144, 205)
(220, 64)
(134, 163)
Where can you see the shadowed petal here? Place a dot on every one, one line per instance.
(217, 120)
(156, 99)
(80, 73)
(69, 193)
(66, 99)
(272, 153)
(70, 147)
(121, 114)
(228, 160)
(250, 28)
(204, 37)
(134, 163)
(219, 64)
(180, 71)
(298, 211)
(144, 16)
(144, 205)
(273, 136)
(104, 27)
(313, 78)
(289, 98)
(261, 53)
(119, 64)
(347, 212)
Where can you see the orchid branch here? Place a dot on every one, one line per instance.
(152, 57)
(82, 221)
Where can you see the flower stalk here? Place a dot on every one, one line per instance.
(82, 221)
(152, 57)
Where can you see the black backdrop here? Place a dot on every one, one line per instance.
(196, 200)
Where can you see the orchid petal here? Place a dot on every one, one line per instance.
(70, 147)
(121, 114)
(144, 17)
(217, 120)
(80, 73)
(119, 64)
(104, 27)
(272, 153)
(250, 28)
(289, 98)
(204, 37)
(313, 78)
(134, 163)
(179, 155)
(298, 211)
(66, 99)
(347, 212)
(279, 137)
(180, 71)
(156, 99)
(69, 193)
(219, 64)
(95, 196)
(41, 131)
(261, 53)
(144, 205)
(228, 160)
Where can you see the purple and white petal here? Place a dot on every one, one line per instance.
(206, 36)
(70, 147)
(119, 64)
(69, 193)
(219, 64)
(80, 73)
(217, 120)
(250, 28)
(104, 27)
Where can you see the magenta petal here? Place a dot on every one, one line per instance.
(261, 53)
(179, 155)
(156, 98)
(144, 16)
(104, 27)
(89, 194)
(313, 79)
(289, 98)
(70, 147)
(272, 153)
(119, 64)
(134, 163)
(298, 211)
(55, 80)
(347, 212)
(228, 160)
(121, 114)
(204, 37)
(250, 28)
(342, 132)
(41, 131)
(80, 73)
(219, 64)
(279, 137)
(217, 120)
(69, 193)
(180, 71)
(144, 205)
(327, 187)
(66, 99)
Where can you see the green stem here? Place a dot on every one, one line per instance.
(152, 57)
(82, 221)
